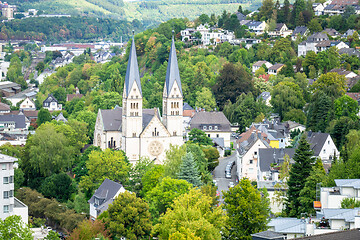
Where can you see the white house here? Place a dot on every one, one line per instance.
(323, 146)
(311, 42)
(52, 104)
(299, 31)
(325, 45)
(103, 197)
(318, 9)
(275, 69)
(331, 197)
(256, 66)
(9, 205)
(291, 227)
(27, 104)
(257, 27)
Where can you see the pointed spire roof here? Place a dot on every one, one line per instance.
(132, 71)
(172, 73)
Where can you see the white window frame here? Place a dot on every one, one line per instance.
(6, 209)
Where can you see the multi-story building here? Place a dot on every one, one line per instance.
(9, 205)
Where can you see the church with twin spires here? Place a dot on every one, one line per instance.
(143, 132)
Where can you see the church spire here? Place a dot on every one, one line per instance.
(172, 73)
(132, 71)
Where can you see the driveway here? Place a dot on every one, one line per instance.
(219, 174)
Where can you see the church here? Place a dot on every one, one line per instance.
(143, 132)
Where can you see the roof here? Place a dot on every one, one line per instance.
(265, 95)
(353, 234)
(299, 30)
(186, 106)
(132, 71)
(210, 118)
(50, 99)
(316, 36)
(279, 26)
(317, 141)
(240, 16)
(340, 71)
(18, 119)
(30, 92)
(172, 73)
(273, 155)
(268, 235)
(354, 183)
(219, 142)
(70, 97)
(349, 51)
(331, 31)
(348, 215)
(276, 66)
(260, 63)
(287, 225)
(253, 24)
(61, 117)
(355, 96)
(345, 2)
(107, 190)
(4, 107)
(5, 158)
(27, 113)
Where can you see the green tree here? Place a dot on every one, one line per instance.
(247, 209)
(137, 172)
(162, 196)
(52, 236)
(59, 186)
(314, 26)
(295, 115)
(199, 136)
(350, 203)
(212, 155)
(346, 106)
(300, 170)
(13, 228)
(40, 67)
(88, 229)
(151, 178)
(106, 164)
(327, 60)
(43, 116)
(173, 160)
(319, 112)
(129, 217)
(339, 128)
(205, 99)
(192, 214)
(281, 186)
(189, 171)
(332, 84)
(266, 9)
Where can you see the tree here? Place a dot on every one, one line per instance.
(205, 99)
(281, 186)
(314, 26)
(231, 82)
(52, 236)
(129, 217)
(350, 203)
(319, 112)
(40, 67)
(88, 229)
(173, 160)
(327, 60)
(332, 84)
(300, 170)
(288, 70)
(212, 155)
(189, 171)
(286, 96)
(59, 186)
(137, 173)
(43, 116)
(106, 164)
(191, 214)
(295, 115)
(339, 128)
(162, 196)
(151, 178)
(346, 106)
(266, 9)
(198, 136)
(247, 209)
(13, 228)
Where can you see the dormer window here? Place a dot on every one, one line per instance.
(204, 127)
(210, 127)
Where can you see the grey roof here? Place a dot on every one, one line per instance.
(61, 117)
(106, 191)
(132, 71)
(218, 119)
(6, 159)
(316, 36)
(348, 215)
(219, 142)
(260, 63)
(148, 114)
(50, 99)
(18, 119)
(4, 107)
(264, 95)
(354, 183)
(30, 92)
(279, 26)
(349, 32)
(172, 73)
(273, 155)
(187, 106)
(268, 235)
(353, 234)
(240, 16)
(253, 23)
(287, 225)
(317, 141)
(276, 66)
(349, 51)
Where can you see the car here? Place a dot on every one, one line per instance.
(227, 175)
(231, 184)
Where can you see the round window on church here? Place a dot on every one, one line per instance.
(155, 148)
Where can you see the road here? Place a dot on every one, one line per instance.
(219, 174)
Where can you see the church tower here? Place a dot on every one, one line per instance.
(132, 108)
(173, 99)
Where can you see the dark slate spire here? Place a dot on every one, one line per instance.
(132, 71)
(172, 73)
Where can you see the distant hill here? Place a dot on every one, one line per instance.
(149, 11)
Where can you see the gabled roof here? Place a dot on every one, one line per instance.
(107, 190)
(353, 234)
(354, 183)
(268, 235)
(112, 118)
(132, 72)
(61, 118)
(287, 225)
(279, 26)
(18, 119)
(187, 106)
(276, 66)
(265, 95)
(70, 97)
(172, 72)
(4, 107)
(317, 141)
(260, 63)
(348, 215)
(253, 24)
(210, 118)
(50, 99)
(240, 16)
(299, 30)
(273, 155)
(349, 51)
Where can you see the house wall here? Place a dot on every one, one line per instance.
(337, 224)
(23, 212)
(93, 213)
(7, 172)
(274, 143)
(274, 206)
(224, 135)
(328, 150)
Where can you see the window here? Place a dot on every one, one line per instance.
(282, 140)
(4, 166)
(324, 150)
(6, 208)
(329, 142)
(134, 134)
(11, 179)
(174, 133)
(6, 194)
(6, 180)
(251, 161)
(210, 127)
(255, 153)
(216, 127)
(204, 127)
(11, 193)
(217, 135)
(208, 135)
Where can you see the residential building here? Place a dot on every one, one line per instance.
(331, 32)
(266, 97)
(323, 146)
(27, 104)
(291, 227)
(267, 235)
(30, 115)
(103, 197)
(349, 51)
(353, 234)
(143, 132)
(13, 123)
(299, 31)
(9, 205)
(103, 56)
(240, 16)
(331, 197)
(209, 35)
(311, 42)
(21, 96)
(8, 11)
(214, 124)
(340, 219)
(325, 45)
(4, 108)
(348, 33)
(318, 9)
(257, 27)
(8, 88)
(188, 113)
(47, 72)
(51, 104)
(61, 118)
(275, 69)
(256, 66)
(249, 42)
(281, 30)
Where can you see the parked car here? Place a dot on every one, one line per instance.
(228, 175)
(231, 184)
